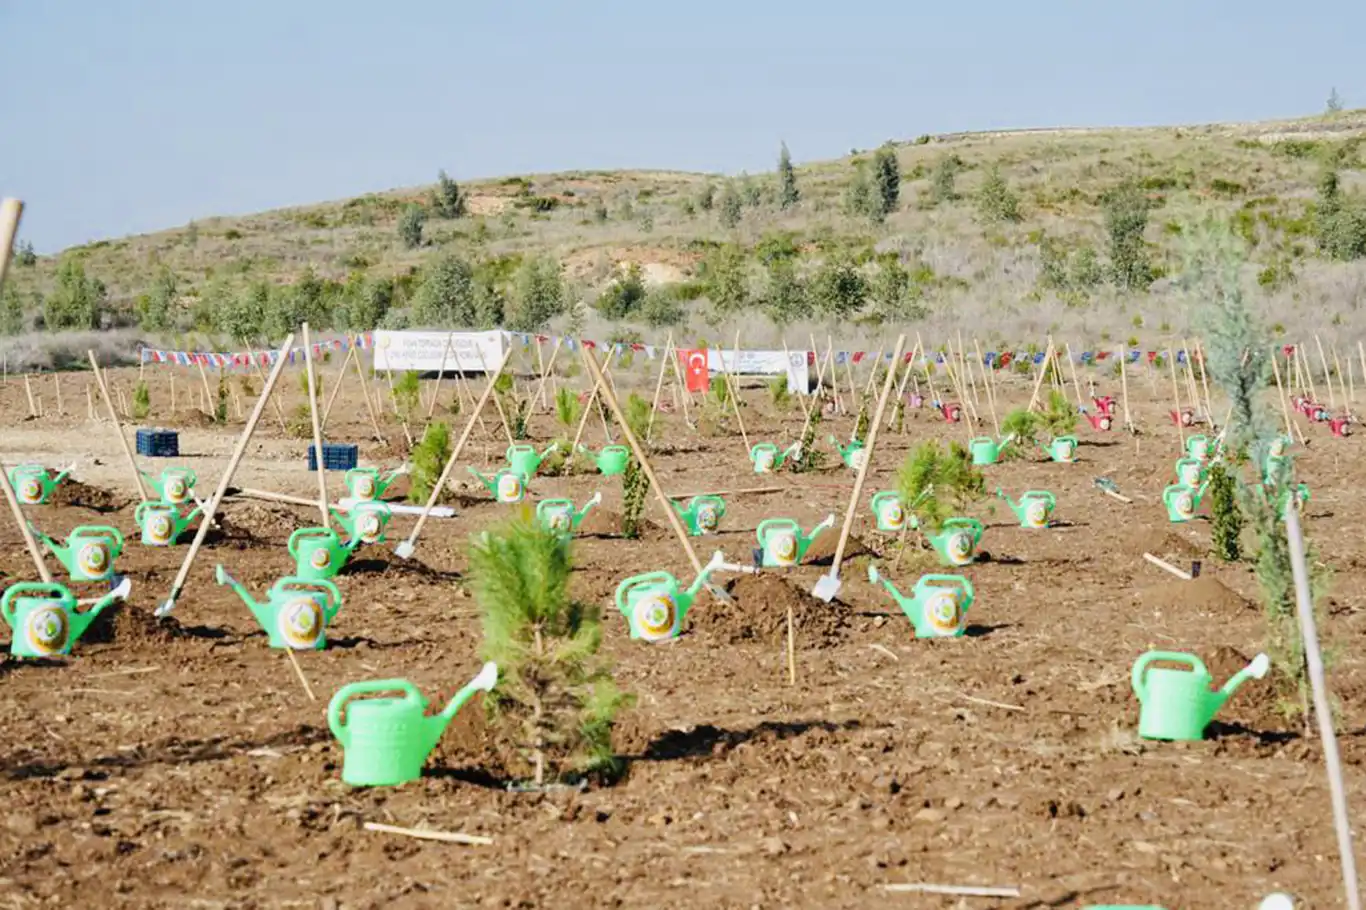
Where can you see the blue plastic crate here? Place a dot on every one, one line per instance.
(158, 443)
(337, 456)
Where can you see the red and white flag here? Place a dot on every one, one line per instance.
(695, 369)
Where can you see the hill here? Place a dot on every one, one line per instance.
(1019, 232)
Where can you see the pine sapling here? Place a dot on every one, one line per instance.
(142, 400)
(556, 698)
(635, 486)
(1227, 518)
(427, 461)
(220, 405)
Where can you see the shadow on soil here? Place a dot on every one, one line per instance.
(23, 766)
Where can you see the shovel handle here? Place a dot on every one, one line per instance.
(1139, 675)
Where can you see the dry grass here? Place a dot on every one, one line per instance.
(1059, 176)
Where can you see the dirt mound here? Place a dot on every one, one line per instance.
(124, 624)
(760, 613)
(259, 520)
(1206, 593)
(822, 550)
(606, 523)
(1257, 704)
(1165, 543)
(82, 495)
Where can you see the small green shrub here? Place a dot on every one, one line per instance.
(142, 401)
(428, 460)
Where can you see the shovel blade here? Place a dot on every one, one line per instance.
(827, 586)
(405, 550)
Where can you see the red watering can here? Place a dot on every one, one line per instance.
(1101, 421)
(1341, 426)
(1105, 404)
(1185, 417)
(951, 410)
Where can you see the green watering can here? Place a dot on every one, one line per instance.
(296, 611)
(767, 458)
(45, 617)
(1182, 502)
(525, 460)
(853, 455)
(319, 553)
(560, 516)
(703, 514)
(89, 552)
(655, 603)
(33, 485)
(938, 605)
(367, 483)
(1197, 447)
(175, 485)
(1062, 449)
(365, 520)
(1179, 704)
(782, 542)
(888, 512)
(1034, 507)
(986, 450)
(385, 741)
(1280, 446)
(161, 522)
(611, 460)
(1190, 472)
(506, 486)
(957, 540)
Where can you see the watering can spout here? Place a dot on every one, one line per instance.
(223, 578)
(717, 560)
(82, 620)
(483, 682)
(61, 475)
(1255, 670)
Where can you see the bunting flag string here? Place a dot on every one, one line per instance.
(366, 340)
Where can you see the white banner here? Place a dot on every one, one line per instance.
(764, 363)
(426, 352)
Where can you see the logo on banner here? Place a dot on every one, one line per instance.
(695, 368)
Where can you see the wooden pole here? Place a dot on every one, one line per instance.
(1176, 399)
(251, 355)
(1043, 371)
(665, 503)
(592, 396)
(208, 395)
(10, 212)
(436, 392)
(336, 388)
(659, 386)
(118, 428)
(497, 403)
(1304, 601)
(57, 385)
(1280, 393)
(1124, 383)
(406, 549)
(28, 391)
(734, 384)
(855, 496)
(1204, 376)
(211, 507)
(315, 419)
(986, 382)
(365, 396)
(545, 373)
(1327, 376)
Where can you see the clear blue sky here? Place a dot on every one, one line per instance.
(127, 116)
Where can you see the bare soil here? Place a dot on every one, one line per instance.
(179, 762)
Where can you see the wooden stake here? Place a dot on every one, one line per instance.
(1072, 368)
(315, 419)
(1191, 390)
(89, 403)
(1323, 712)
(681, 387)
(405, 549)
(57, 385)
(659, 386)
(211, 507)
(365, 396)
(1327, 377)
(665, 503)
(1043, 370)
(1124, 383)
(1204, 376)
(791, 649)
(443, 836)
(1280, 393)
(172, 375)
(1163, 564)
(497, 403)
(118, 428)
(987, 384)
(1308, 372)
(299, 672)
(592, 396)
(336, 388)
(545, 373)
(1176, 399)
(854, 497)
(734, 384)
(208, 395)
(436, 392)
(28, 391)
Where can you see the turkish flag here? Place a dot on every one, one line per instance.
(695, 368)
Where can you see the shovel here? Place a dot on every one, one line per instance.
(120, 592)
(347, 503)
(827, 586)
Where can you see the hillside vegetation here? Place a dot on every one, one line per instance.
(1075, 232)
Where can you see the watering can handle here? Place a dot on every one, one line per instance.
(107, 532)
(324, 586)
(774, 523)
(960, 582)
(293, 544)
(368, 687)
(34, 587)
(630, 584)
(1138, 679)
